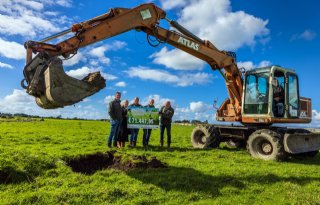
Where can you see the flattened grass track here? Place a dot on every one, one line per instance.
(34, 170)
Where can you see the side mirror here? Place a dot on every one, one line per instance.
(275, 82)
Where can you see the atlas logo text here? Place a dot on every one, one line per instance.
(188, 43)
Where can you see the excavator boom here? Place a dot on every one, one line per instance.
(53, 88)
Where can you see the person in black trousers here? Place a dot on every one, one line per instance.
(166, 113)
(124, 131)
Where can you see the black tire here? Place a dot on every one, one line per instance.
(205, 137)
(267, 145)
(232, 143)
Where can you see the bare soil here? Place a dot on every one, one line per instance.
(89, 164)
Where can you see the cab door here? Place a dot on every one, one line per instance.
(292, 98)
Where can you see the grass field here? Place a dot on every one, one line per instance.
(33, 170)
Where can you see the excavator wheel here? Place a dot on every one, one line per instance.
(205, 137)
(267, 145)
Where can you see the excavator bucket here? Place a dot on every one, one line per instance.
(53, 88)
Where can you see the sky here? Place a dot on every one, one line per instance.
(262, 33)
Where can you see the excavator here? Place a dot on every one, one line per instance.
(257, 98)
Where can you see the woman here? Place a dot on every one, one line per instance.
(124, 131)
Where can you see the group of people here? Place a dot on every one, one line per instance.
(119, 132)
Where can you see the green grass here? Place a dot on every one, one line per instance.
(34, 155)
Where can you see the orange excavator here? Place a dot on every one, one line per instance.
(256, 98)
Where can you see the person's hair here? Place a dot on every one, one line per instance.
(124, 101)
(118, 92)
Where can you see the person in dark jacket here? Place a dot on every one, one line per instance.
(134, 132)
(147, 132)
(124, 131)
(166, 113)
(115, 114)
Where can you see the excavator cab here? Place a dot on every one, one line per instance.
(271, 95)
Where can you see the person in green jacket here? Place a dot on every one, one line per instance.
(147, 132)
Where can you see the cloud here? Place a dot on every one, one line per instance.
(20, 102)
(159, 101)
(108, 99)
(215, 21)
(4, 65)
(316, 115)
(99, 52)
(249, 65)
(28, 19)
(200, 107)
(82, 72)
(121, 84)
(182, 80)
(307, 35)
(167, 4)
(75, 59)
(172, 59)
(11, 49)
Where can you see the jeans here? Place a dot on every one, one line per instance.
(168, 128)
(146, 136)
(114, 131)
(134, 135)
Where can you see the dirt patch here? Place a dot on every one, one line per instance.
(89, 164)
(11, 176)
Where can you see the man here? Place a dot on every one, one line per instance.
(134, 132)
(166, 113)
(115, 113)
(147, 132)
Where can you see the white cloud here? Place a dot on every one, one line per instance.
(4, 65)
(11, 49)
(316, 115)
(167, 4)
(99, 52)
(75, 59)
(200, 107)
(248, 65)
(159, 101)
(172, 59)
(26, 18)
(214, 20)
(121, 84)
(20, 102)
(82, 72)
(182, 80)
(307, 35)
(108, 99)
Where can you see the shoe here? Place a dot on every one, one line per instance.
(122, 144)
(161, 144)
(109, 145)
(115, 144)
(130, 144)
(119, 145)
(134, 143)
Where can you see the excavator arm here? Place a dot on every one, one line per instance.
(52, 88)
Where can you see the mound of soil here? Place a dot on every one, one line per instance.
(89, 164)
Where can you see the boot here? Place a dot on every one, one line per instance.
(109, 145)
(168, 146)
(114, 143)
(130, 144)
(134, 143)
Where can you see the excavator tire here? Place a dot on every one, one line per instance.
(267, 145)
(204, 137)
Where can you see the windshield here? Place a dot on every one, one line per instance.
(257, 93)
